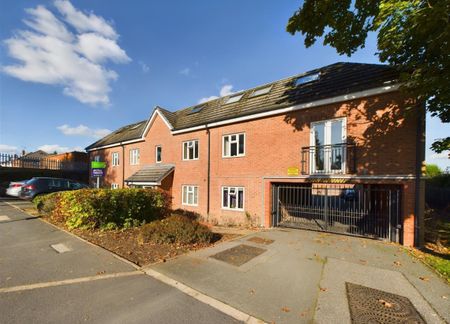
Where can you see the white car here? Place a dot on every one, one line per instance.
(14, 188)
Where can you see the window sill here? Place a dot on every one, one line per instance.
(233, 209)
(232, 157)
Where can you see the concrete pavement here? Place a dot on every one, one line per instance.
(83, 284)
(301, 277)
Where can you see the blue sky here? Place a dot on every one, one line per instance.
(167, 53)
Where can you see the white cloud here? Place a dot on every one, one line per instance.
(145, 68)
(9, 149)
(99, 49)
(82, 130)
(85, 22)
(224, 91)
(49, 53)
(51, 148)
(185, 71)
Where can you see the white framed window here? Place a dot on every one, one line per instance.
(134, 157)
(233, 198)
(158, 153)
(97, 158)
(115, 158)
(328, 146)
(114, 186)
(190, 150)
(189, 195)
(233, 145)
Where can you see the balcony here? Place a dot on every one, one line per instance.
(328, 159)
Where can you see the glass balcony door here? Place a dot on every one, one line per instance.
(328, 149)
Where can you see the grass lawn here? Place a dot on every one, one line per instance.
(436, 252)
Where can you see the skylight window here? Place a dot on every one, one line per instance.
(232, 99)
(307, 78)
(196, 110)
(261, 91)
(136, 126)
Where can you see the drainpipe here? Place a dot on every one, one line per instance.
(419, 205)
(123, 166)
(208, 184)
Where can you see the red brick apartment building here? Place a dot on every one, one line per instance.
(334, 149)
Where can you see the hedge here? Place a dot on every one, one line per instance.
(105, 208)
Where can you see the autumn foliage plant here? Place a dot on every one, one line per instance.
(105, 208)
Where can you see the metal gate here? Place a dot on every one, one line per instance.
(361, 211)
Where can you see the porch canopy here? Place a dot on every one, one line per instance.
(150, 175)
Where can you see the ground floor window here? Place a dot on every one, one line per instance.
(114, 186)
(233, 198)
(190, 195)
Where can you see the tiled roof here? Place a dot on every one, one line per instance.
(334, 80)
(154, 173)
(125, 133)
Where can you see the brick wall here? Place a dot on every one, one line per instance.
(384, 134)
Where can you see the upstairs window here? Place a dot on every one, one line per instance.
(115, 158)
(134, 157)
(233, 145)
(190, 150)
(307, 78)
(158, 153)
(232, 99)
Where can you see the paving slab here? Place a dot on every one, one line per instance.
(276, 286)
(333, 306)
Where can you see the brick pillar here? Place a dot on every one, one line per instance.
(408, 213)
(267, 204)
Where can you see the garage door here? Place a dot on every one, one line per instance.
(349, 209)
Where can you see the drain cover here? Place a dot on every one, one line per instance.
(260, 240)
(239, 255)
(369, 305)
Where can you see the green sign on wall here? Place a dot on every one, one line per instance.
(98, 165)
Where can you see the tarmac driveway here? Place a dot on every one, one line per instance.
(300, 276)
(81, 282)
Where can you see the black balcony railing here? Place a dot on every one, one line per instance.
(329, 159)
(15, 161)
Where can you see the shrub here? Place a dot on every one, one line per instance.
(106, 208)
(175, 229)
(187, 213)
(46, 203)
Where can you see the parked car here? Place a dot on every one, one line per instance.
(41, 185)
(14, 188)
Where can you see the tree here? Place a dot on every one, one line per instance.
(432, 170)
(413, 36)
